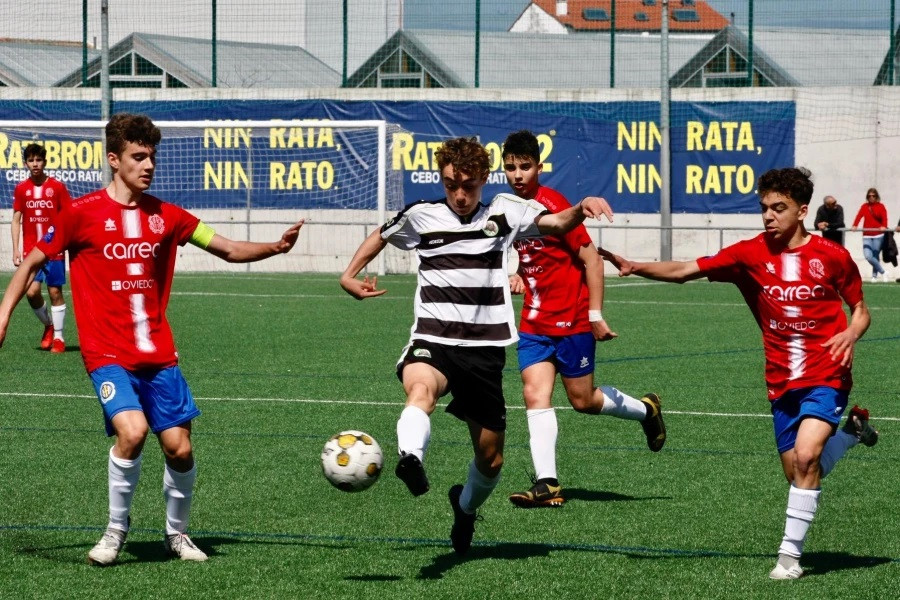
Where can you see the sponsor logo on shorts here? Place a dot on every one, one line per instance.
(421, 353)
(584, 362)
(107, 391)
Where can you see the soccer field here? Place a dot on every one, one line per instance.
(279, 363)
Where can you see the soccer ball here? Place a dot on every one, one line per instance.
(351, 461)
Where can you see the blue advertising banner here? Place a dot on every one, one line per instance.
(718, 150)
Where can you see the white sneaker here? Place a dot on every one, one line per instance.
(884, 277)
(180, 545)
(780, 572)
(874, 279)
(107, 549)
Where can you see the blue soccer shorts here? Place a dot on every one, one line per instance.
(53, 273)
(823, 403)
(573, 355)
(161, 394)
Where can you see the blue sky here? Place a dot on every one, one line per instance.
(497, 15)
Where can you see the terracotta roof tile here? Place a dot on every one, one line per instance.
(708, 19)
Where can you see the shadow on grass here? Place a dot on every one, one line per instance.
(820, 563)
(135, 551)
(582, 495)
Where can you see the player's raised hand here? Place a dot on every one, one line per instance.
(361, 289)
(595, 207)
(289, 237)
(516, 284)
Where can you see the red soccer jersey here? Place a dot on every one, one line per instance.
(39, 205)
(556, 292)
(121, 261)
(795, 296)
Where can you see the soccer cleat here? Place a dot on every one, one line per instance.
(653, 425)
(541, 494)
(180, 545)
(858, 426)
(781, 572)
(47, 337)
(58, 346)
(107, 549)
(463, 523)
(412, 473)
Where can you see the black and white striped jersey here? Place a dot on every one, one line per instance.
(463, 297)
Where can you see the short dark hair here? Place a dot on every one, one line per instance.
(124, 127)
(466, 154)
(522, 143)
(793, 182)
(35, 149)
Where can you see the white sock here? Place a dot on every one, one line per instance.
(42, 314)
(178, 488)
(58, 314)
(835, 448)
(620, 405)
(544, 430)
(477, 489)
(413, 431)
(123, 479)
(801, 508)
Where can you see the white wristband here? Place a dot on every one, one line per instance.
(594, 316)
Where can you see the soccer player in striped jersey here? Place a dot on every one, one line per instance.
(562, 279)
(36, 202)
(794, 284)
(463, 315)
(122, 244)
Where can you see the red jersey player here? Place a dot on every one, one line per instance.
(122, 244)
(794, 284)
(562, 279)
(36, 202)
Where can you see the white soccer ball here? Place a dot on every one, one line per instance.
(351, 461)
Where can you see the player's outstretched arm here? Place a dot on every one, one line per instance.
(566, 220)
(674, 271)
(242, 252)
(20, 281)
(842, 344)
(367, 251)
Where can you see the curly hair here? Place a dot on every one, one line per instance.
(466, 154)
(138, 129)
(793, 182)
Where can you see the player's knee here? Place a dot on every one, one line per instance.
(585, 403)
(131, 439)
(180, 455)
(805, 462)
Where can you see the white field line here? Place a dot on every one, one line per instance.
(392, 405)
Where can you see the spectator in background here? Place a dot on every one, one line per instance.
(874, 219)
(830, 220)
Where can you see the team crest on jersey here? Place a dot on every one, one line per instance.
(491, 229)
(107, 391)
(50, 193)
(816, 268)
(157, 225)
